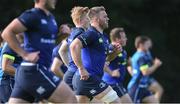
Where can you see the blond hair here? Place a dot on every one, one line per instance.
(77, 13)
(95, 10)
(115, 33)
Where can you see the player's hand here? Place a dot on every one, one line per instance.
(117, 47)
(115, 73)
(83, 73)
(32, 57)
(157, 62)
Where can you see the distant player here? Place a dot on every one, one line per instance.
(117, 35)
(142, 67)
(88, 52)
(10, 62)
(154, 85)
(81, 21)
(34, 82)
(58, 67)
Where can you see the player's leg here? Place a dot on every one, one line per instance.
(82, 99)
(126, 98)
(108, 96)
(16, 101)
(63, 93)
(122, 93)
(150, 99)
(157, 89)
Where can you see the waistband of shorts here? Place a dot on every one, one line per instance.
(28, 64)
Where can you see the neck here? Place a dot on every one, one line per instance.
(80, 26)
(42, 8)
(98, 28)
(140, 50)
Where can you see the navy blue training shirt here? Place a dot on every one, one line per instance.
(40, 35)
(120, 63)
(75, 33)
(93, 54)
(55, 54)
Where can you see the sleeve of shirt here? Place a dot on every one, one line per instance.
(86, 38)
(56, 54)
(28, 19)
(143, 64)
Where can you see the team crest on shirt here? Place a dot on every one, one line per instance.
(43, 21)
(100, 40)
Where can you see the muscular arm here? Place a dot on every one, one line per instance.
(63, 51)
(9, 35)
(7, 64)
(75, 49)
(55, 67)
(148, 70)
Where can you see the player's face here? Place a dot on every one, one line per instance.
(146, 46)
(85, 21)
(123, 39)
(149, 44)
(50, 4)
(103, 20)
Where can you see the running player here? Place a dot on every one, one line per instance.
(117, 35)
(10, 62)
(58, 66)
(142, 67)
(88, 52)
(34, 82)
(81, 21)
(154, 85)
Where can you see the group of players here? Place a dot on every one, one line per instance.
(84, 66)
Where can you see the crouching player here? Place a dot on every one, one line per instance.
(117, 35)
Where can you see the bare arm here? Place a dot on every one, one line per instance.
(9, 35)
(149, 70)
(75, 49)
(63, 51)
(7, 64)
(55, 67)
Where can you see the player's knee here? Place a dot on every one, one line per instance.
(110, 97)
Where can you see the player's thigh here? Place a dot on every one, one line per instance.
(155, 86)
(150, 99)
(82, 99)
(16, 101)
(126, 98)
(108, 95)
(63, 93)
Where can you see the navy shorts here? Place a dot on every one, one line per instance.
(90, 87)
(34, 83)
(138, 93)
(6, 86)
(120, 90)
(68, 77)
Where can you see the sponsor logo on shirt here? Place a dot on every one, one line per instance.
(48, 41)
